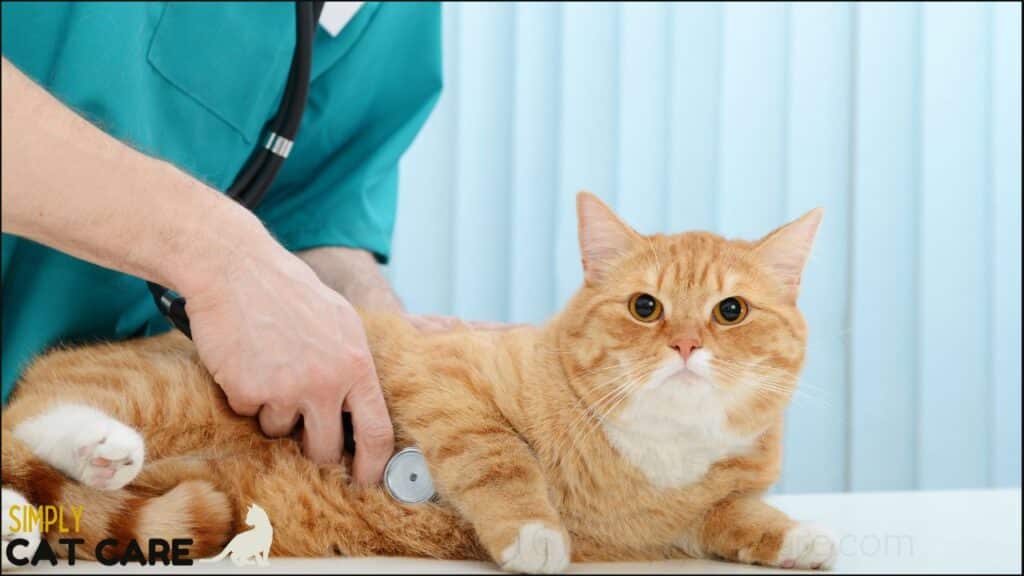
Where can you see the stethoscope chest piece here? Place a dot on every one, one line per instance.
(406, 477)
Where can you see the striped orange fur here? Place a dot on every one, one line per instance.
(513, 424)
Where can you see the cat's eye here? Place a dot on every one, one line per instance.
(644, 307)
(730, 311)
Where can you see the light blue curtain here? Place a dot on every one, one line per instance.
(902, 120)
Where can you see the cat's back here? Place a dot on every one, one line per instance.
(452, 372)
(401, 350)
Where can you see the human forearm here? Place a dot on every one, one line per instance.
(355, 275)
(69, 185)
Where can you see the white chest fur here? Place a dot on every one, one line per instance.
(673, 430)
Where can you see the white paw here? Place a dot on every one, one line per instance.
(10, 499)
(807, 546)
(109, 454)
(86, 444)
(537, 550)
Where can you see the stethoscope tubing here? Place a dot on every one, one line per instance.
(259, 172)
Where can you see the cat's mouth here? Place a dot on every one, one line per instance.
(676, 372)
(691, 378)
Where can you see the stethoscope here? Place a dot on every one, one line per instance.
(406, 477)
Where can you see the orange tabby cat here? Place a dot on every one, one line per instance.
(642, 422)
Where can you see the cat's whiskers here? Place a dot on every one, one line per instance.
(600, 410)
(590, 418)
(615, 391)
(609, 387)
(628, 370)
(752, 372)
(763, 371)
(769, 373)
(599, 370)
(768, 381)
(627, 390)
(592, 370)
(760, 382)
(576, 434)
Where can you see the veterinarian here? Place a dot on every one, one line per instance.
(123, 124)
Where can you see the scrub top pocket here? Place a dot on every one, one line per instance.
(239, 73)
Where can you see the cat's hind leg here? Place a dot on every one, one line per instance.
(86, 444)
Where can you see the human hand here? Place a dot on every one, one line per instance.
(282, 345)
(279, 342)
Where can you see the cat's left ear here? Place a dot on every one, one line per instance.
(604, 237)
(785, 250)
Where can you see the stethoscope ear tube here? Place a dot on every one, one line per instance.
(255, 178)
(252, 184)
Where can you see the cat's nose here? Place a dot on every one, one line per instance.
(686, 346)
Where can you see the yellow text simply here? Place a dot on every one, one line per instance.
(44, 519)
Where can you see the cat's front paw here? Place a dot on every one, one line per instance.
(86, 444)
(11, 499)
(807, 546)
(109, 453)
(537, 549)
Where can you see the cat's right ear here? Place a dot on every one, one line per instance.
(604, 237)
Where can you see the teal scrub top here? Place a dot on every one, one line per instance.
(194, 84)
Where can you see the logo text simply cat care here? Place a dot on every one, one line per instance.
(50, 518)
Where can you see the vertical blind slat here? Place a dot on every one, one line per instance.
(953, 301)
(589, 113)
(643, 108)
(422, 271)
(484, 143)
(535, 171)
(752, 145)
(696, 59)
(818, 174)
(882, 333)
(1006, 281)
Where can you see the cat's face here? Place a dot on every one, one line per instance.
(684, 327)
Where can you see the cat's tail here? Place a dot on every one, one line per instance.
(191, 509)
(223, 554)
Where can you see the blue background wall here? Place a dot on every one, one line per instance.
(903, 121)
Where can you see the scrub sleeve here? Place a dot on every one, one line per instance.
(194, 83)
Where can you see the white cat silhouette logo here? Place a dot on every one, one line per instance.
(252, 546)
